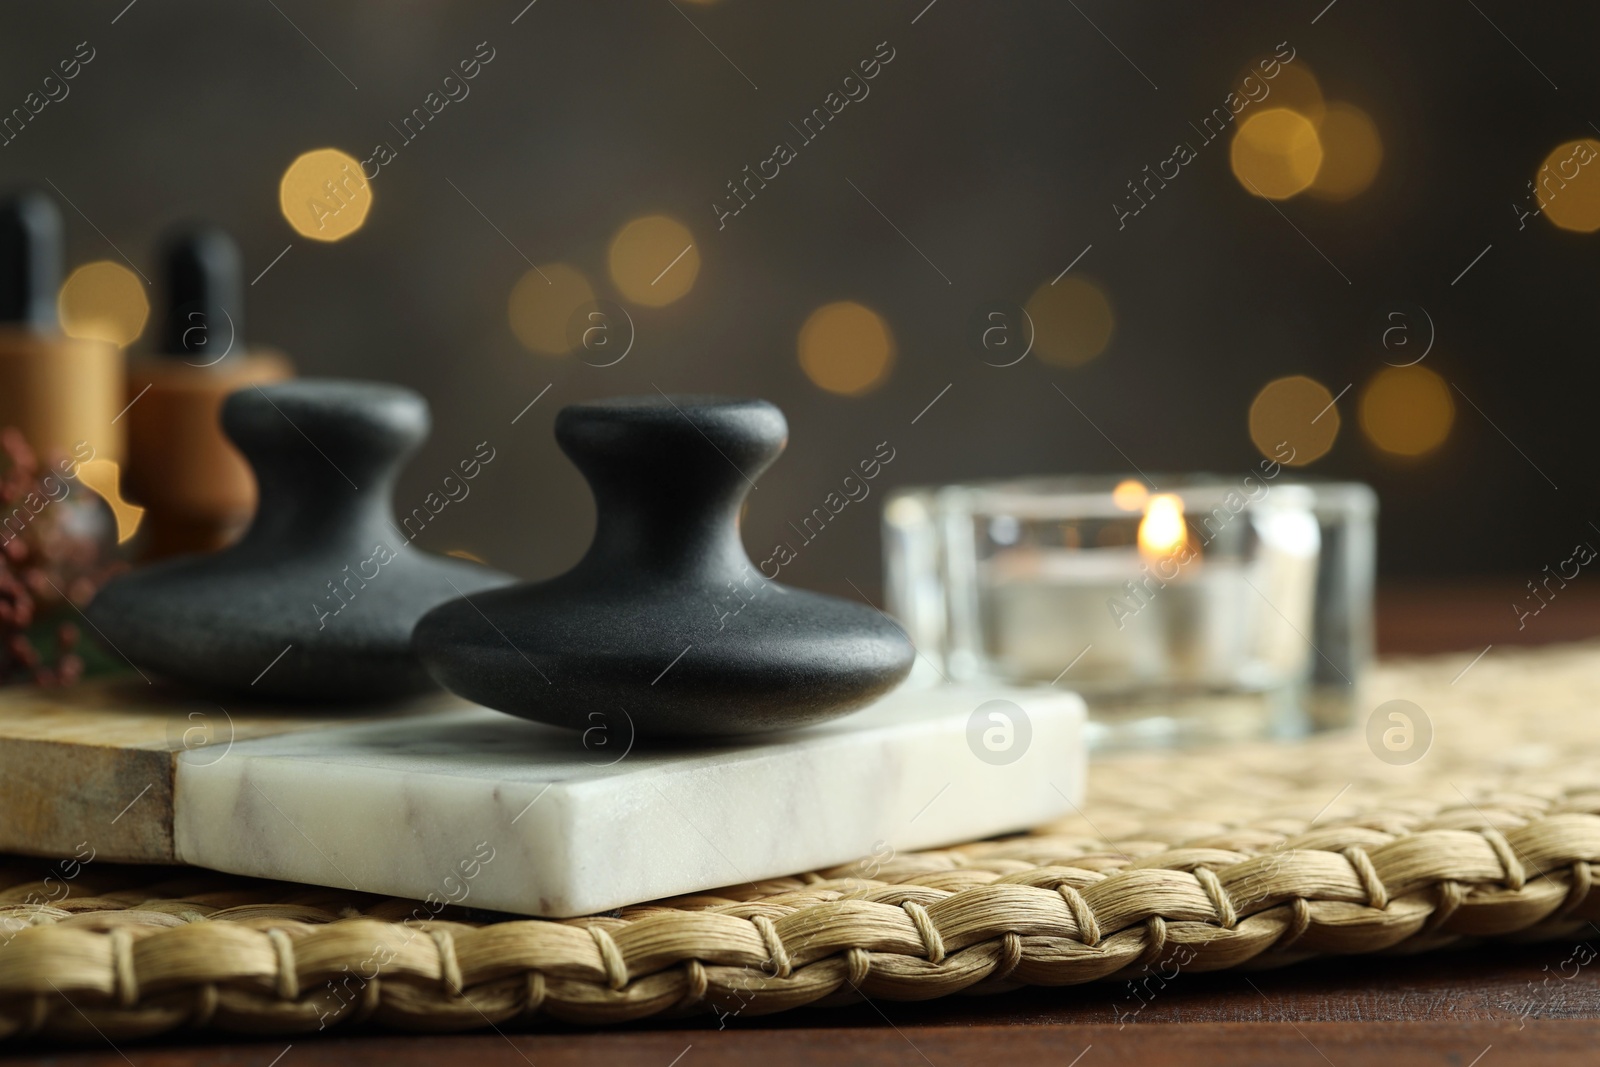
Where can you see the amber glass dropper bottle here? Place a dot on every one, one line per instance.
(197, 488)
(63, 393)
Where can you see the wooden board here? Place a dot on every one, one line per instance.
(93, 764)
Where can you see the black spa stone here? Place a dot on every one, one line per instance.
(316, 602)
(665, 627)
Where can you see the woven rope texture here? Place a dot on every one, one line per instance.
(1254, 855)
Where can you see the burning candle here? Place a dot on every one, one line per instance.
(1199, 595)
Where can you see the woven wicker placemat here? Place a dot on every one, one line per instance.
(1252, 855)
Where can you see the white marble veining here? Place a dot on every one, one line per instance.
(481, 809)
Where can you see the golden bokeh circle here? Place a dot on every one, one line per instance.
(1294, 413)
(324, 195)
(1407, 411)
(103, 301)
(1072, 321)
(542, 304)
(654, 260)
(1567, 185)
(103, 477)
(1294, 87)
(1130, 495)
(1351, 153)
(846, 348)
(1276, 153)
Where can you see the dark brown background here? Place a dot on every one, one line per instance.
(996, 140)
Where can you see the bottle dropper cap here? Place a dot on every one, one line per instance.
(30, 261)
(204, 319)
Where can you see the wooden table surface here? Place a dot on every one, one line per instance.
(1497, 1006)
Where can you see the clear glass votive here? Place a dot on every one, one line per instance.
(1207, 609)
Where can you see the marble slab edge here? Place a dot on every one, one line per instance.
(483, 810)
(89, 770)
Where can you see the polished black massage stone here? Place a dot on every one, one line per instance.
(665, 628)
(316, 602)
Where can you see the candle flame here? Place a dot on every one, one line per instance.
(1162, 531)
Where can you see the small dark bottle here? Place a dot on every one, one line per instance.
(63, 393)
(195, 485)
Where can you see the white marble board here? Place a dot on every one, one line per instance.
(484, 810)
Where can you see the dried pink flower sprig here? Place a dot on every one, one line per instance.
(46, 560)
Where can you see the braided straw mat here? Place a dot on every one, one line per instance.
(1207, 859)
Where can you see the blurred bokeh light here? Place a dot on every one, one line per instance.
(104, 478)
(1567, 185)
(846, 348)
(104, 301)
(653, 260)
(324, 195)
(1072, 321)
(1294, 412)
(1407, 411)
(1130, 494)
(1352, 151)
(1276, 153)
(543, 304)
(1293, 86)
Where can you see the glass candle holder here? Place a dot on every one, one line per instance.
(1214, 609)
